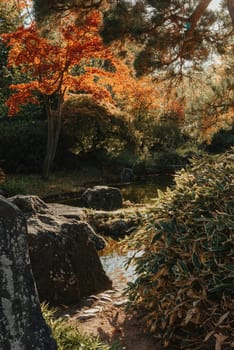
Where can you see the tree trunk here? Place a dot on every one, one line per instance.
(54, 118)
(22, 326)
(230, 4)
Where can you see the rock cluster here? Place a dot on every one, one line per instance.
(63, 253)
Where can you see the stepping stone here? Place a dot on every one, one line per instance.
(121, 302)
(110, 291)
(93, 311)
(94, 297)
(84, 317)
(105, 298)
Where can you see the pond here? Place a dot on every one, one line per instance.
(141, 191)
(145, 190)
(115, 266)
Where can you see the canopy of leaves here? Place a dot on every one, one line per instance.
(44, 9)
(185, 268)
(208, 100)
(171, 35)
(51, 64)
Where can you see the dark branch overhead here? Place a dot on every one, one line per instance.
(171, 34)
(230, 5)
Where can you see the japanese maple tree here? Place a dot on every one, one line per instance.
(52, 66)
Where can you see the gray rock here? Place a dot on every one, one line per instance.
(103, 198)
(117, 228)
(63, 254)
(67, 211)
(22, 326)
(30, 204)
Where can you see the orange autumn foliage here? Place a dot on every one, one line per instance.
(50, 65)
(66, 64)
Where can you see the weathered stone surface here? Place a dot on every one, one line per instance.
(116, 228)
(103, 198)
(63, 255)
(30, 204)
(22, 326)
(115, 224)
(67, 211)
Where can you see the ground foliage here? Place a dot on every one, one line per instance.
(68, 337)
(185, 269)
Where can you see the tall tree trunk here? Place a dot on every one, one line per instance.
(49, 148)
(54, 118)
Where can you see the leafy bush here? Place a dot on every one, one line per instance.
(69, 337)
(185, 270)
(160, 162)
(222, 141)
(22, 144)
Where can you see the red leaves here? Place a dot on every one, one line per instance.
(22, 96)
(49, 64)
(94, 20)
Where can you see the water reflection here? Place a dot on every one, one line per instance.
(116, 267)
(146, 190)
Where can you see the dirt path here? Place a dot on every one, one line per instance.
(104, 315)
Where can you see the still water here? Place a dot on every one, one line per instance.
(115, 266)
(142, 191)
(145, 190)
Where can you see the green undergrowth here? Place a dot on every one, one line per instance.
(58, 184)
(185, 267)
(69, 337)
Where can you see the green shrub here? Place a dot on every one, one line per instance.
(68, 337)
(22, 144)
(160, 162)
(185, 270)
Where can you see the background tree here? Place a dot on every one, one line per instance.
(208, 100)
(54, 74)
(172, 35)
(12, 15)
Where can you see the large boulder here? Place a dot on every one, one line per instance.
(103, 198)
(63, 253)
(22, 326)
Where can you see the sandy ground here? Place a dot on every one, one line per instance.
(105, 315)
